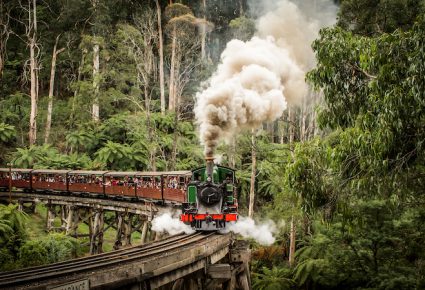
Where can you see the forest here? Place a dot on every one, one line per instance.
(115, 85)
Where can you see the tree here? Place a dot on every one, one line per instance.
(365, 179)
(51, 88)
(253, 174)
(161, 57)
(31, 33)
(181, 29)
(376, 17)
(242, 28)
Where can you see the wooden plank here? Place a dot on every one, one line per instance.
(219, 271)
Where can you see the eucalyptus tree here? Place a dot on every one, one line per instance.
(182, 31)
(30, 23)
(161, 56)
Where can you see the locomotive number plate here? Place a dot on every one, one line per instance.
(77, 285)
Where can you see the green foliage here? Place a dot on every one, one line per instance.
(7, 132)
(28, 157)
(242, 28)
(121, 156)
(63, 161)
(80, 139)
(364, 178)
(13, 222)
(50, 249)
(274, 278)
(376, 17)
(12, 234)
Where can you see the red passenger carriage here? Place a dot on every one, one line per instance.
(154, 186)
(80, 181)
(49, 180)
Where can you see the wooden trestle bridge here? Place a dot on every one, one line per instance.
(197, 261)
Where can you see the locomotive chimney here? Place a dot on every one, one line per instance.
(210, 165)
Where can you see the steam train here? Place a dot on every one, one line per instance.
(207, 194)
(211, 198)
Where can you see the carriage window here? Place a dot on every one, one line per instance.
(120, 181)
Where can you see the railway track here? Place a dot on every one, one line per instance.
(31, 276)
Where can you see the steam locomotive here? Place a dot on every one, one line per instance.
(211, 198)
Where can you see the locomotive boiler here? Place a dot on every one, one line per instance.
(211, 198)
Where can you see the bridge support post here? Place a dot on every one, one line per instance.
(144, 231)
(119, 236)
(158, 236)
(51, 214)
(72, 220)
(128, 227)
(20, 205)
(96, 230)
(63, 215)
(234, 273)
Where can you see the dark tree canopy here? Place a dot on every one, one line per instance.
(371, 17)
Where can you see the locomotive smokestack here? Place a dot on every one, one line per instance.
(210, 166)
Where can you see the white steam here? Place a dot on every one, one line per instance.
(246, 227)
(256, 79)
(170, 224)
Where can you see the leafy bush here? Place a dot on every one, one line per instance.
(50, 249)
(7, 132)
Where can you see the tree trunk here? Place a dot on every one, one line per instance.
(232, 153)
(291, 122)
(175, 142)
(253, 170)
(314, 129)
(177, 80)
(32, 23)
(95, 111)
(74, 99)
(203, 30)
(161, 58)
(4, 34)
(292, 244)
(51, 88)
(152, 152)
(304, 110)
(171, 97)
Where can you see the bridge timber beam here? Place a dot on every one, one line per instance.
(130, 216)
(197, 261)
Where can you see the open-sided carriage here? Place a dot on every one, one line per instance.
(155, 186)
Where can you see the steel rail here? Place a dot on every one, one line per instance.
(92, 258)
(123, 257)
